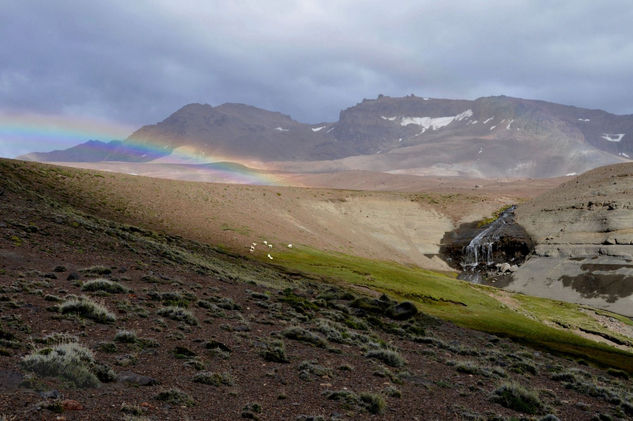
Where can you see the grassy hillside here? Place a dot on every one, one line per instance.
(549, 324)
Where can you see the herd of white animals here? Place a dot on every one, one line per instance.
(266, 243)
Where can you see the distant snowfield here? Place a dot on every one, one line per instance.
(612, 137)
(586, 120)
(316, 129)
(281, 129)
(433, 123)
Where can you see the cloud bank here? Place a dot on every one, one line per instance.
(134, 63)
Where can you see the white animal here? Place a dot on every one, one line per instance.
(270, 245)
(270, 257)
(289, 246)
(265, 242)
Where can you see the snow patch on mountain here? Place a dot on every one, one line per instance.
(316, 129)
(435, 123)
(509, 124)
(388, 118)
(488, 120)
(281, 129)
(612, 137)
(585, 120)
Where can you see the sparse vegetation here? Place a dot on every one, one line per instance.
(514, 396)
(372, 403)
(275, 351)
(299, 334)
(213, 379)
(211, 283)
(175, 397)
(85, 307)
(387, 356)
(70, 361)
(179, 314)
(101, 284)
(96, 270)
(126, 336)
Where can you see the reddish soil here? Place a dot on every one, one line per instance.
(40, 233)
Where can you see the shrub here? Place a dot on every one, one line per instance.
(468, 367)
(126, 336)
(213, 379)
(69, 361)
(302, 335)
(374, 404)
(179, 314)
(96, 270)
(515, 397)
(85, 307)
(275, 351)
(392, 392)
(618, 373)
(387, 356)
(58, 338)
(312, 367)
(175, 397)
(103, 285)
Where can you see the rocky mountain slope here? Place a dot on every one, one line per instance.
(105, 320)
(90, 151)
(487, 137)
(584, 241)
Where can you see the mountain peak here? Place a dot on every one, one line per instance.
(496, 136)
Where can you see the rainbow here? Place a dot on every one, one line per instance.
(22, 133)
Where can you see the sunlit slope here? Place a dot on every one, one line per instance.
(203, 212)
(553, 325)
(405, 227)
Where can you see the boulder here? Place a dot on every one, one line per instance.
(402, 311)
(136, 379)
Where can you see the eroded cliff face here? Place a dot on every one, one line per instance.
(583, 232)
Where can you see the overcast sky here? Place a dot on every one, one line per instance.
(135, 62)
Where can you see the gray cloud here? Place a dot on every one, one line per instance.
(136, 62)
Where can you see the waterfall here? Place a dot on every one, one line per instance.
(480, 249)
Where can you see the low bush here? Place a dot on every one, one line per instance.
(69, 361)
(103, 285)
(300, 334)
(213, 379)
(175, 397)
(387, 356)
(126, 336)
(96, 270)
(275, 351)
(85, 307)
(179, 314)
(514, 396)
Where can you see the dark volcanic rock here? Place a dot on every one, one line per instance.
(136, 379)
(402, 311)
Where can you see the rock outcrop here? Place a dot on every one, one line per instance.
(584, 241)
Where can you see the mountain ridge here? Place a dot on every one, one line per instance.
(486, 137)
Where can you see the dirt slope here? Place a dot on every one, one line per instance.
(584, 235)
(405, 227)
(224, 361)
